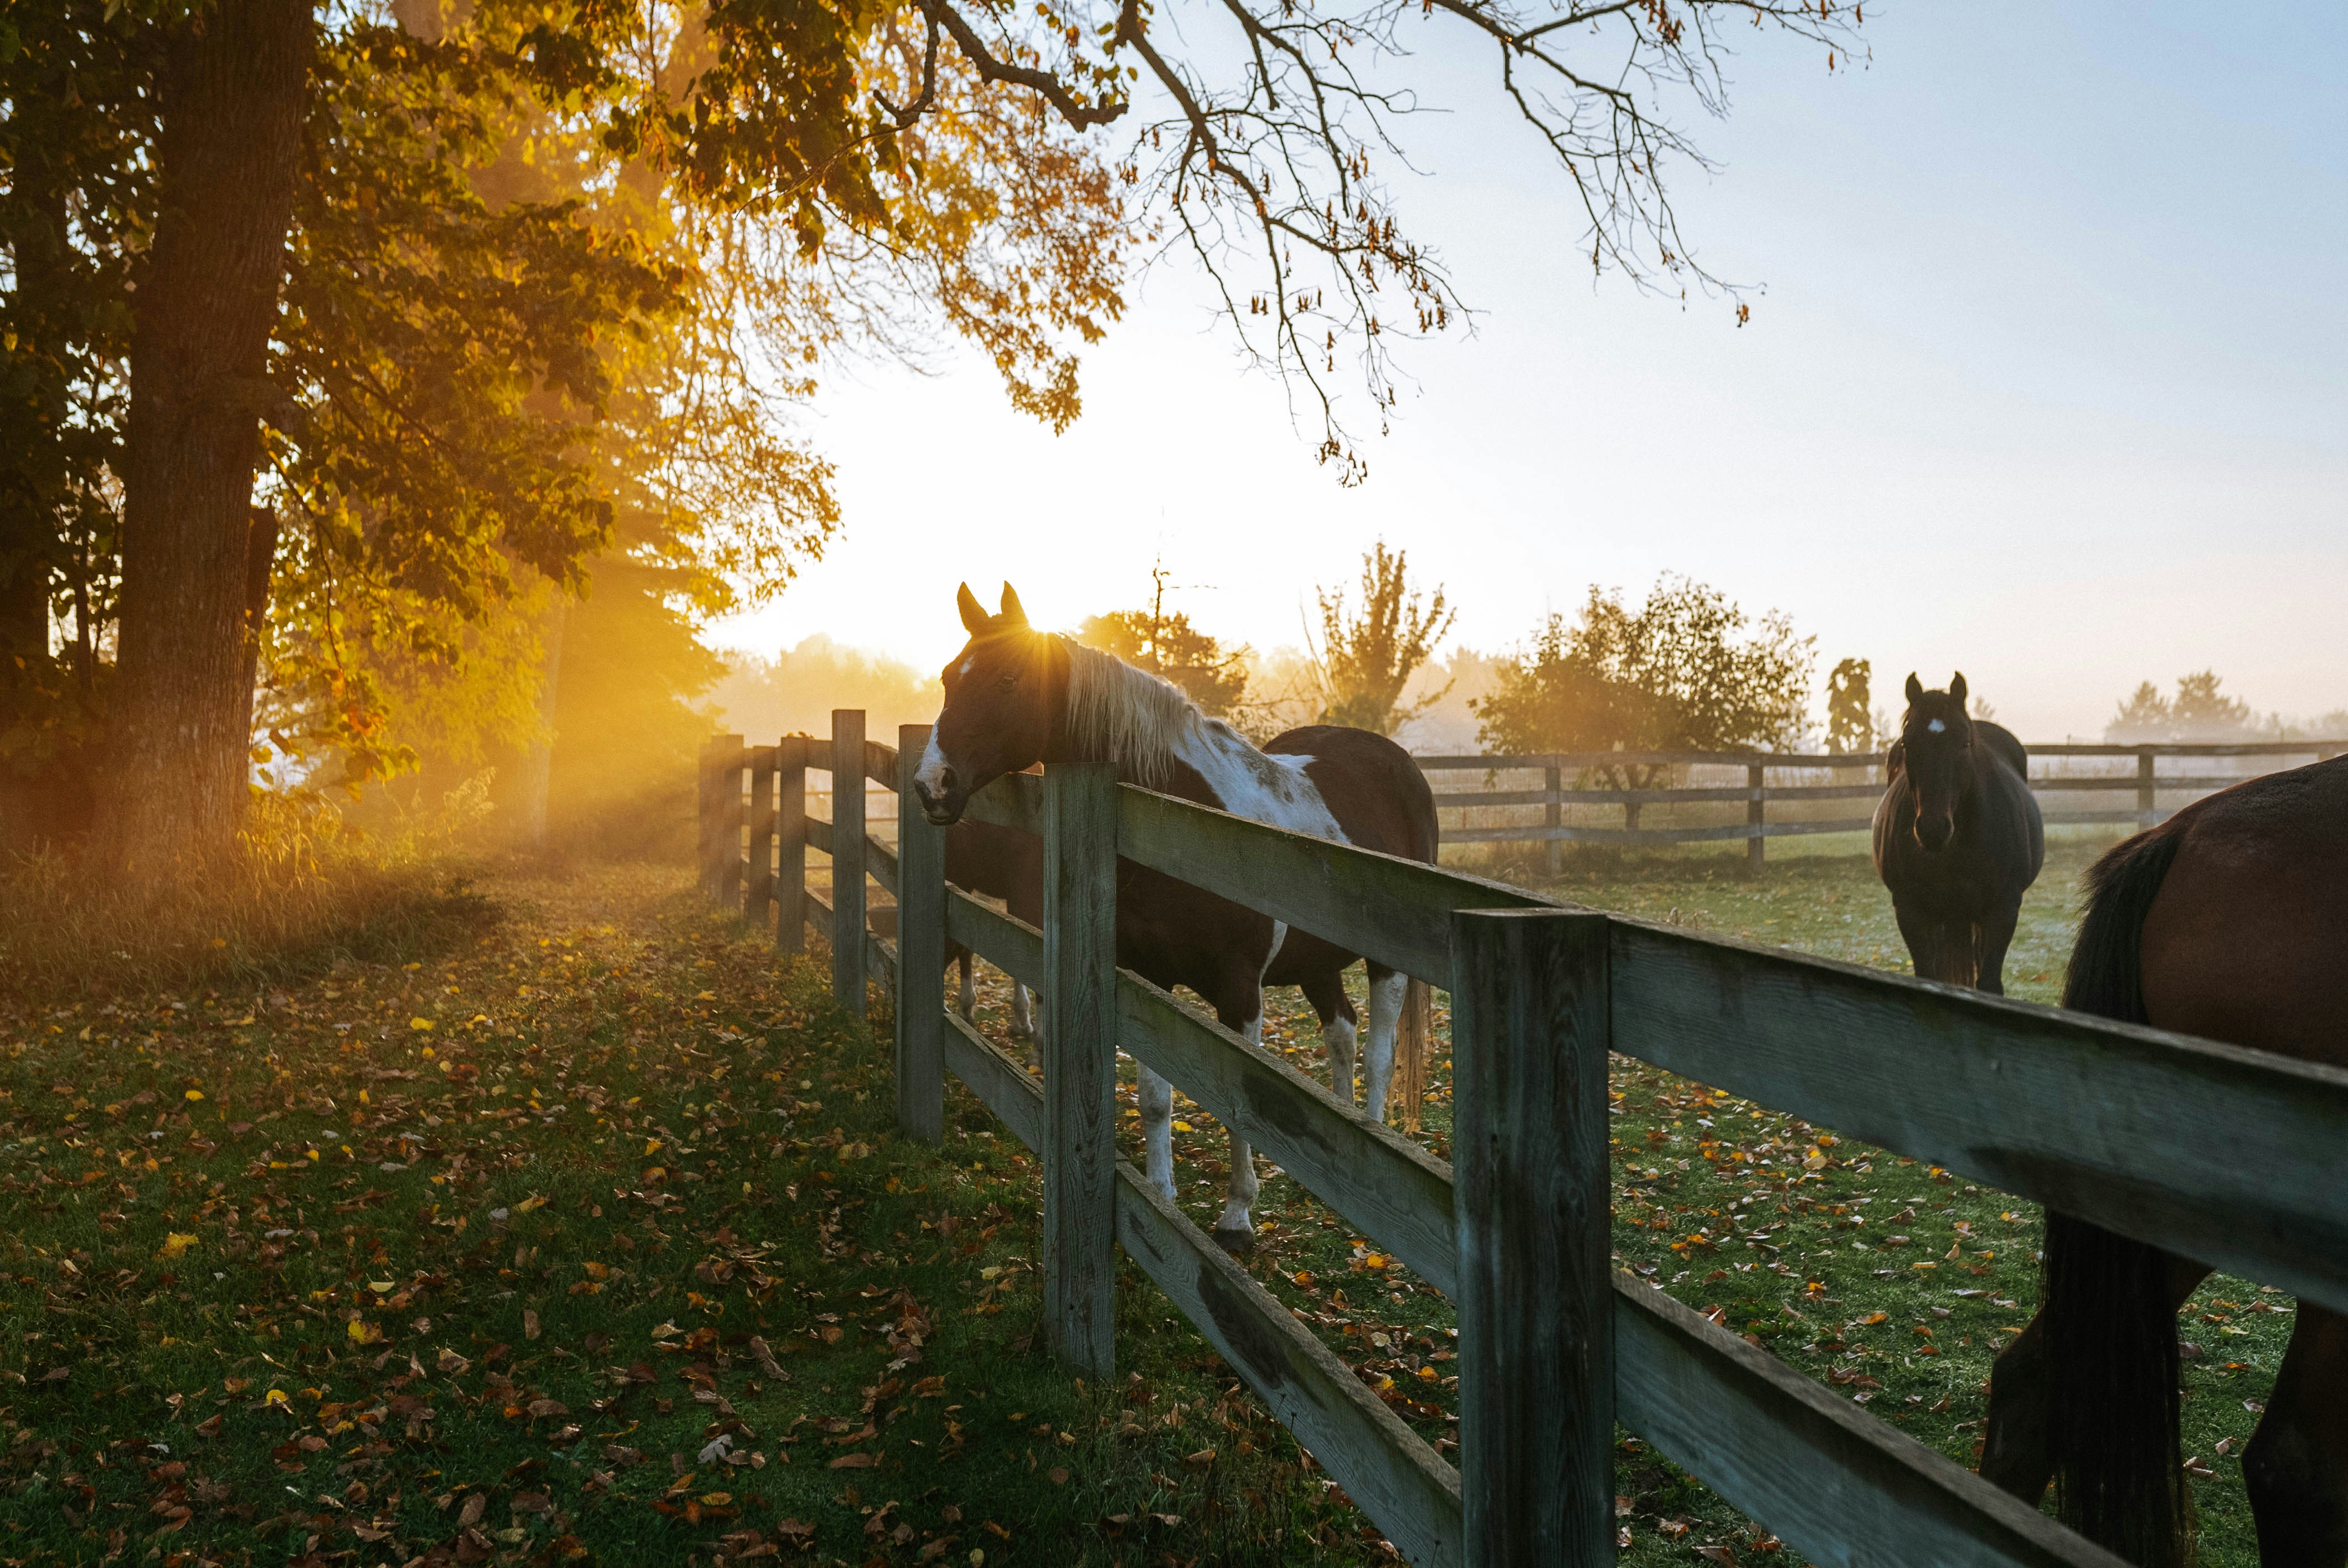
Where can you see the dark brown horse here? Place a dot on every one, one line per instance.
(1003, 864)
(1016, 696)
(2229, 921)
(1958, 837)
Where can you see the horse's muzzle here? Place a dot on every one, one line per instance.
(1933, 833)
(942, 807)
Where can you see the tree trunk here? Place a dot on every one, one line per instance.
(538, 764)
(36, 719)
(232, 89)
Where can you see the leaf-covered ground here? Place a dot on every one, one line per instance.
(593, 1241)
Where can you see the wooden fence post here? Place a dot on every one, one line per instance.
(1530, 1027)
(721, 847)
(847, 859)
(1080, 1146)
(790, 844)
(920, 952)
(1553, 780)
(1756, 848)
(758, 891)
(2145, 803)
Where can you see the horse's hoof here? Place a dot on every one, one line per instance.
(1238, 1242)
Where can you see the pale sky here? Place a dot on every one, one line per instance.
(2049, 384)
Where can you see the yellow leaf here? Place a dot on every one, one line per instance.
(363, 1333)
(195, 1094)
(530, 1203)
(705, 997)
(176, 1244)
(1182, 1127)
(422, 1025)
(276, 1397)
(652, 1145)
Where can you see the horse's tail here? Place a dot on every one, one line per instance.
(1412, 1032)
(2110, 1326)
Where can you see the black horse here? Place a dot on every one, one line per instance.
(1958, 837)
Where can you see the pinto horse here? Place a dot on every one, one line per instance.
(1016, 696)
(2229, 921)
(1958, 837)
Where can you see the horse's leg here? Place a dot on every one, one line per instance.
(1240, 1009)
(2016, 1456)
(1992, 938)
(1157, 1131)
(2296, 1468)
(967, 1001)
(1922, 938)
(1326, 992)
(1386, 1012)
(1023, 1021)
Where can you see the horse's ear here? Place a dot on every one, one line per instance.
(1915, 687)
(1012, 612)
(1957, 686)
(973, 614)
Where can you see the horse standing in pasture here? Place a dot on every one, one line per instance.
(1016, 696)
(1958, 837)
(2229, 921)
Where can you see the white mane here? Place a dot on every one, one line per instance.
(1128, 716)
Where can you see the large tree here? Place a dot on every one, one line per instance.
(1687, 670)
(451, 417)
(1368, 652)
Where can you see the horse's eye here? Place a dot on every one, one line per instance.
(1008, 681)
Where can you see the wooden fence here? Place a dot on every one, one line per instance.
(2229, 1155)
(2144, 780)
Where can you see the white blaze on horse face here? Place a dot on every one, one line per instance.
(931, 774)
(1937, 727)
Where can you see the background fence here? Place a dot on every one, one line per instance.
(2228, 1155)
(1721, 795)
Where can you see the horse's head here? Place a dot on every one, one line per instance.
(1937, 737)
(1000, 704)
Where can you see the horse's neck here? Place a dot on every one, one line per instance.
(1167, 746)
(1245, 781)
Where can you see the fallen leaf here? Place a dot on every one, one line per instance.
(854, 1461)
(528, 1324)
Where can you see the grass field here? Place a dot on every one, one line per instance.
(584, 1236)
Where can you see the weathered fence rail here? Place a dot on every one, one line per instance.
(2136, 1129)
(2145, 782)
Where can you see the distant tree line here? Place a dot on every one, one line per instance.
(1687, 670)
(2202, 713)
